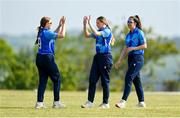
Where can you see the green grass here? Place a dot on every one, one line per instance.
(21, 103)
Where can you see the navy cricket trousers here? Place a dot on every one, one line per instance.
(47, 68)
(101, 66)
(135, 63)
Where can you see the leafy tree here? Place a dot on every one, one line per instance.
(74, 57)
(6, 58)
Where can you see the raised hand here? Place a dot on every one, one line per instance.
(89, 19)
(85, 20)
(62, 20)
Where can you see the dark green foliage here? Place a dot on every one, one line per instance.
(74, 56)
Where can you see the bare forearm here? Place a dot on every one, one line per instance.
(57, 29)
(123, 54)
(86, 32)
(141, 47)
(62, 31)
(94, 30)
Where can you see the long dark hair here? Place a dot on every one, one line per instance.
(137, 21)
(103, 20)
(43, 22)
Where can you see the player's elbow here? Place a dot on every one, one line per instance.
(145, 46)
(61, 35)
(86, 36)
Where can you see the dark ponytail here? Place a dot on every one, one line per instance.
(43, 22)
(138, 22)
(38, 34)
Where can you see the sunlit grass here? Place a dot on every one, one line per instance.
(21, 103)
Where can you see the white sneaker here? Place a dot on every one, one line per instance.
(141, 104)
(58, 104)
(121, 104)
(88, 104)
(40, 105)
(104, 106)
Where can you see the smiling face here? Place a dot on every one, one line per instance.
(99, 24)
(48, 24)
(131, 24)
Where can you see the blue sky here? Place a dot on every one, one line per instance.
(19, 17)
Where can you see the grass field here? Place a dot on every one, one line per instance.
(21, 103)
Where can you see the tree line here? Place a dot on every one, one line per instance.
(74, 56)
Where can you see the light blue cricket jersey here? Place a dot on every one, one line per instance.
(103, 41)
(134, 39)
